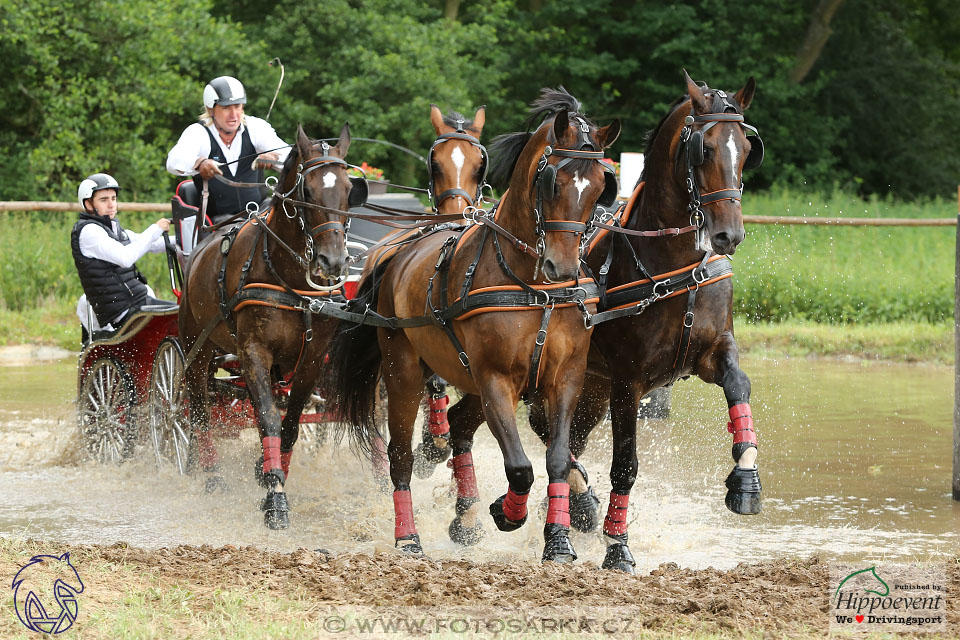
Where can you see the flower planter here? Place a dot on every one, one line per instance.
(375, 187)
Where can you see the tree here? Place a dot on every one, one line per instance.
(105, 86)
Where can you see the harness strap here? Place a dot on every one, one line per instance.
(533, 378)
(684, 347)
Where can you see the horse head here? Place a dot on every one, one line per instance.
(315, 173)
(457, 162)
(712, 150)
(559, 174)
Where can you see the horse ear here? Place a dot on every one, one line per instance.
(609, 134)
(697, 98)
(343, 144)
(561, 122)
(745, 95)
(303, 142)
(479, 118)
(436, 119)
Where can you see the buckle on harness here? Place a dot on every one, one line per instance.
(688, 319)
(664, 282)
(464, 359)
(546, 300)
(541, 341)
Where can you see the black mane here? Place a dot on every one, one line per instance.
(506, 148)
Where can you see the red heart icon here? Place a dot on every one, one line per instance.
(859, 618)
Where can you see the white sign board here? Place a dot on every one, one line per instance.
(631, 166)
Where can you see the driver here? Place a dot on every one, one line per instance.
(105, 255)
(226, 142)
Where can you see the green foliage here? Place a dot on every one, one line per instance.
(105, 86)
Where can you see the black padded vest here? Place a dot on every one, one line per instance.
(110, 288)
(224, 199)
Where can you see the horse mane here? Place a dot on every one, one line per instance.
(505, 149)
(715, 105)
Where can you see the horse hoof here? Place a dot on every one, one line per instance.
(409, 545)
(503, 523)
(276, 511)
(427, 456)
(465, 536)
(215, 484)
(584, 510)
(557, 546)
(743, 491)
(619, 558)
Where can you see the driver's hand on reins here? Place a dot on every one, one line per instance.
(266, 160)
(208, 168)
(164, 224)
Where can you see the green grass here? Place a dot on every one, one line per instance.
(845, 274)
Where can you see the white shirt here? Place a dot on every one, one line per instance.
(95, 242)
(194, 145)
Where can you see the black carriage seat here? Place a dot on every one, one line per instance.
(184, 205)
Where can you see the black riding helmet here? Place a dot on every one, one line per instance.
(224, 91)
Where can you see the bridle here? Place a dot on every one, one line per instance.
(545, 179)
(473, 199)
(691, 147)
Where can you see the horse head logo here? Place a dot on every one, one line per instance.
(32, 589)
(869, 579)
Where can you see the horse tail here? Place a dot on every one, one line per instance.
(351, 376)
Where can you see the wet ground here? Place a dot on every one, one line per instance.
(855, 459)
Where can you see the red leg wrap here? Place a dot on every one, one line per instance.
(285, 462)
(207, 450)
(438, 424)
(466, 477)
(271, 454)
(515, 505)
(558, 507)
(615, 523)
(742, 425)
(403, 508)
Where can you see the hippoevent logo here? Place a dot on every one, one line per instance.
(45, 594)
(888, 598)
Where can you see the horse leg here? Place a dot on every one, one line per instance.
(624, 401)
(499, 402)
(465, 418)
(403, 380)
(435, 447)
(560, 403)
(592, 407)
(196, 379)
(256, 361)
(743, 483)
(302, 385)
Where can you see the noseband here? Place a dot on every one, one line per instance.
(473, 200)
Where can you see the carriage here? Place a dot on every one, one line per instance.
(129, 391)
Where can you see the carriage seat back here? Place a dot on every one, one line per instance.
(185, 204)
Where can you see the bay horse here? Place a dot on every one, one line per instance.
(247, 290)
(497, 309)
(667, 297)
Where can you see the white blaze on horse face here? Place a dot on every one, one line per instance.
(580, 184)
(329, 180)
(458, 159)
(732, 147)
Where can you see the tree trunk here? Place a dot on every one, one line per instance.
(536, 5)
(818, 32)
(451, 9)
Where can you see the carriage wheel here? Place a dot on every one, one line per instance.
(105, 412)
(172, 437)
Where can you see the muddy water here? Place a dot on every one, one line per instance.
(855, 462)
